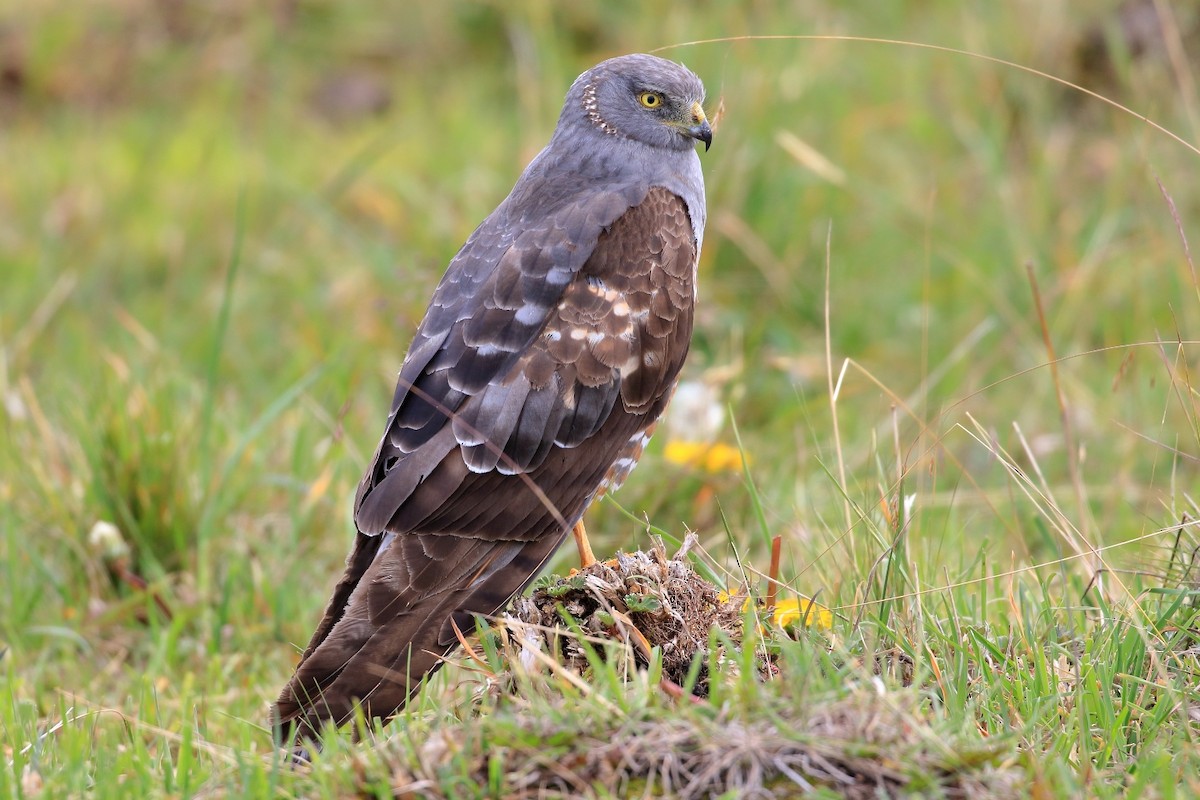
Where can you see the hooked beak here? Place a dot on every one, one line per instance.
(700, 129)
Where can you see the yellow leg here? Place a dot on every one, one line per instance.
(586, 556)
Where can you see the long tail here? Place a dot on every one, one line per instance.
(389, 623)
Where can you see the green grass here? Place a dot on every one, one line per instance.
(208, 288)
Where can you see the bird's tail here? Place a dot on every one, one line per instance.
(391, 623)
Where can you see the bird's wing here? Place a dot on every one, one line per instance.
(467, 521)
(492, 302)
(613, 331)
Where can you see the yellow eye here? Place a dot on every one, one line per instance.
(650, 99)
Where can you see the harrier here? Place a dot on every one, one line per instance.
(550, 348)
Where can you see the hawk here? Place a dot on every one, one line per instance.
(550, 348)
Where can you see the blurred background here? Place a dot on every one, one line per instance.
(220, 223)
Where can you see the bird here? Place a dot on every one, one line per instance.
(550, 348)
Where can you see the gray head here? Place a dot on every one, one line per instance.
(640, 97)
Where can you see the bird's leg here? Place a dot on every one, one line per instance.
(586, 556)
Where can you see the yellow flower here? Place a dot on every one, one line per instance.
(725, 597)
(786, 612)
(789, 612)
(711, 458)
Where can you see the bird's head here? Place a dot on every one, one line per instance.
(641, 97)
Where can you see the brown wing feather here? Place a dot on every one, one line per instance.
(465, 527)
(398, 625)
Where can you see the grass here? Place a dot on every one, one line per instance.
(948, 315)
